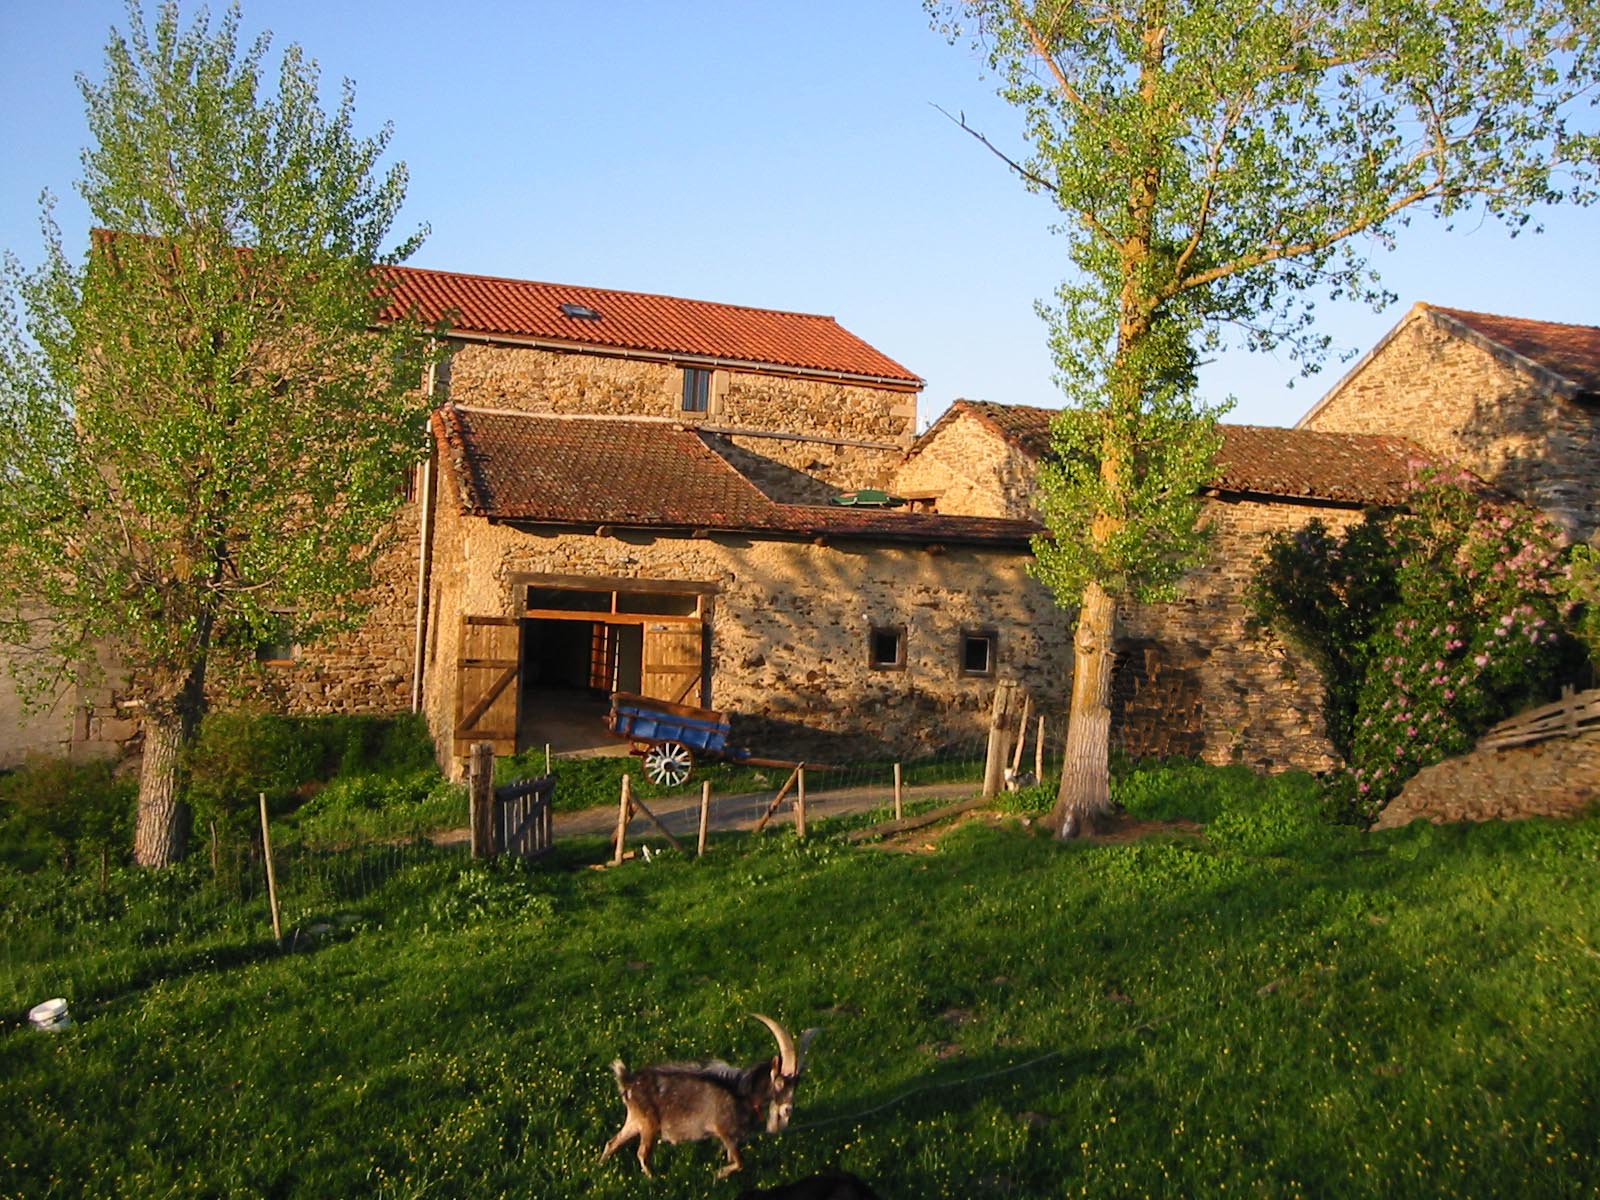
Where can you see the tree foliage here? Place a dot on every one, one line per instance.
(203, 430)
(1218, 164)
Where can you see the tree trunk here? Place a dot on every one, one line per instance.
(160, 834)
(1084, 799)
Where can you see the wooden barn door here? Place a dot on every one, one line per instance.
(674, 668)
(488, 684)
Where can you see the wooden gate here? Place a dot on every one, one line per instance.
(488, 692)
(674, 667)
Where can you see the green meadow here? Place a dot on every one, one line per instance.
(1272, 1006)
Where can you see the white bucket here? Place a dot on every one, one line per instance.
(52, 1015)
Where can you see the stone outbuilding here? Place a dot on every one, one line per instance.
(1193, 677)
(645, 493)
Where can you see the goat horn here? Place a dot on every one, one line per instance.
(788, 1056)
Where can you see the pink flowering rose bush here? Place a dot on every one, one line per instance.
(1476, 630)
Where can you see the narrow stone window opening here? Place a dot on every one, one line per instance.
(978, 651)
(886, 648)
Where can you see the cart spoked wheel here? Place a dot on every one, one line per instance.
(668, 763)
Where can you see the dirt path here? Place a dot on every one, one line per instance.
(681, 813)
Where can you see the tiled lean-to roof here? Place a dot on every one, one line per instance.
(1300, 464)
(1347, 468)
(639, 323)
(650, 474)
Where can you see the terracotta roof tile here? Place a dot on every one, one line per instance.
(1568, 353)
(638, 322)
(1347, 468)
(566, 469)
(571, 470)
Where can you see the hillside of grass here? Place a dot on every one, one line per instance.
(1276, 1008)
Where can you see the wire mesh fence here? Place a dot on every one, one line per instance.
(92, 937)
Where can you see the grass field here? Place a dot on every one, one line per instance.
(1277, 1008)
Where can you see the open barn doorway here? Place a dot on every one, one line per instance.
(583, 639)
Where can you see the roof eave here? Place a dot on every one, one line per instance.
(786, 531)
(1550, 380)
(901, 383)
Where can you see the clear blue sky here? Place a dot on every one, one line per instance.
(772, 154)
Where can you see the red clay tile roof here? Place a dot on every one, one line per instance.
(569, 470)
(1301, 464)
(633, 321)
(1308, 464)
(1569, 355)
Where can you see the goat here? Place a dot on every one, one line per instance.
(831, 1185)
(685, 1102)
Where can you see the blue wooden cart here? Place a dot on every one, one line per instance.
(670, 736)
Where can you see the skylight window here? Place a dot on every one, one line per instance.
(581, 312)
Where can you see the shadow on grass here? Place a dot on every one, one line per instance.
(951, 1085)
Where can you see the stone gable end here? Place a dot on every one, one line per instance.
(1462, 402)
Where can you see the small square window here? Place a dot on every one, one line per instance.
(886, 648)
(977, 651)
(281, 647)
(277, 652)
(696, 389)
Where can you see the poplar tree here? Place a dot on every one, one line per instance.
(1217, 164)
(203, 428)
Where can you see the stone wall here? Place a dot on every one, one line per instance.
(972, 471)
(1458, 400)
(816, 414)
(1555, 778)
(365, 670)
(1196, 678)
(75, 720)
(789, 630)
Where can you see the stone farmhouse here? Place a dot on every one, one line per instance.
(641, 493)
(728, 506)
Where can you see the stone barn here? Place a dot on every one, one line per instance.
(1192, 677)
(1516, 402)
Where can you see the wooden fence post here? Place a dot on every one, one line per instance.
(1038, 753)
(480, 787)
(778, 799)
(272, 875)
(800, 804)
(999, 730)
(623, 807)
(1022, 733)
(705, 816)
(899, 793)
